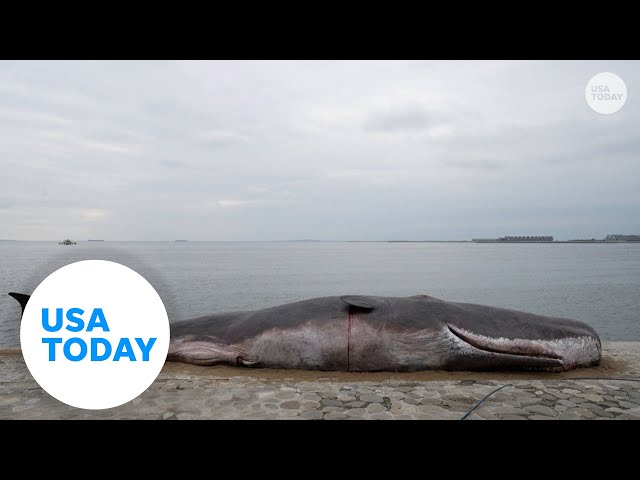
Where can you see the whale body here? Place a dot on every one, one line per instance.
(372, 333)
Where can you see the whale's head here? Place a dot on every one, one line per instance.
(495, 337)
(458, 336)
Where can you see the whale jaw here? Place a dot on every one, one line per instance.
(558, 354)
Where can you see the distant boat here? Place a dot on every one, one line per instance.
(67, 242)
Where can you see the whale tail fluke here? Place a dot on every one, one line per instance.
(22, 298)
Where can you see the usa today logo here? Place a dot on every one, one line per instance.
(94, 334)
(606, 93)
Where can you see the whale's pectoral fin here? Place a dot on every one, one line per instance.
(208, 351)
(246, 361)
(359, 301)
(22, 298)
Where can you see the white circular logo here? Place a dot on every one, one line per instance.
(94, 334)
(606, 93)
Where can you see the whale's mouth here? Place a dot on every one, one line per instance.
(503, 346)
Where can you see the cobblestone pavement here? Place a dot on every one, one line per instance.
(186, 392)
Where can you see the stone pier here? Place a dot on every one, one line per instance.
(186, 392)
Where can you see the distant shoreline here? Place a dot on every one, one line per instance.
(492, 242)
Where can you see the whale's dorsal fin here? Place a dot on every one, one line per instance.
(359, 301)
(22, 298)
(424, 296)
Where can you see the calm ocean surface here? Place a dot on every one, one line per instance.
(598, 284)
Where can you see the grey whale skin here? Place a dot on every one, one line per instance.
(371, 333)
(368, 333)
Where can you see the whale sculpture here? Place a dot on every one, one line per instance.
(371, 333)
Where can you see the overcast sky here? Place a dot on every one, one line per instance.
(340, 150)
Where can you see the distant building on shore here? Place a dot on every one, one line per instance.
(613, 238)
(527, 238)
(622, 238)
(512, 238)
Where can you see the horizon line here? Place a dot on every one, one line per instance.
(577, 240)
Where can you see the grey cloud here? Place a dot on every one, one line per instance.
(223, 137)
(181, 116)
(409, 118)
(475, 164)
(174, 164)
(328, 150)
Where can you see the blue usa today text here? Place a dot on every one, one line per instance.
(96, 349)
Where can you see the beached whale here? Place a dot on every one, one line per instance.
(371, 333)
